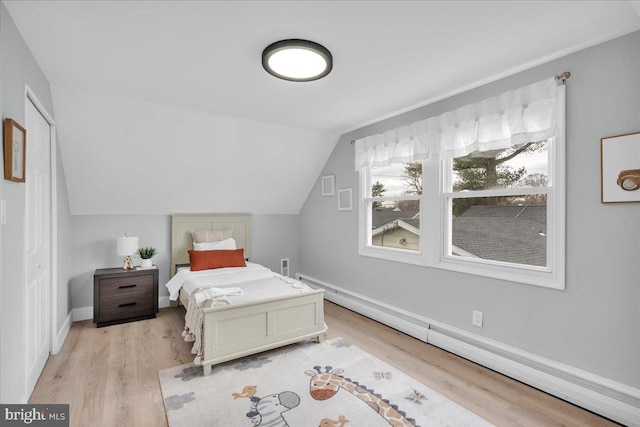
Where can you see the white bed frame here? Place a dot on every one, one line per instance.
(234, 331)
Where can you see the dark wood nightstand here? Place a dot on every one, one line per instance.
(124, 295)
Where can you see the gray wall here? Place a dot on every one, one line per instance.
(594, 324)
(94, 246)
(275, 237)
(18, 67)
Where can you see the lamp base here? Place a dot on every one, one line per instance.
(127, 263)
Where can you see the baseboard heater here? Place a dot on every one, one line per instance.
(605, 397)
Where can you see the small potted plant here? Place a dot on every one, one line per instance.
(146, 254)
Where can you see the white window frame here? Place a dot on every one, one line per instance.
(365, 237)
(435, 221)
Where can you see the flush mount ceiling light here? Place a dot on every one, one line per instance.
(297, 60)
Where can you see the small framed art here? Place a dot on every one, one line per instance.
(328, 185)
(15, 150)
(620, 168)
(345, 199)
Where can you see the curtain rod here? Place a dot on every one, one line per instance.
(562, 78)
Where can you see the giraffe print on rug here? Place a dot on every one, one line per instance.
(325, 385)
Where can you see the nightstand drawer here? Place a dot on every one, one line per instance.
(126, 285)
(123, 307)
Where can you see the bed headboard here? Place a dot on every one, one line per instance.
(183, 225)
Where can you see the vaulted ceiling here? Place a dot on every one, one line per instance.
(169, 98)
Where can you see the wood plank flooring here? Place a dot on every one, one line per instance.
(109, 375)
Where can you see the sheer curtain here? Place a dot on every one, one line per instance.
(518, 116)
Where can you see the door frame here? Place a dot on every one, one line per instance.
(30, 96)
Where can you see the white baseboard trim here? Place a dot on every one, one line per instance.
(571, 392)
(603, 396)
(363, 306)
(82, 313)
(62, 334)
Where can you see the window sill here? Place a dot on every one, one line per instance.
(390, 254)
(529, 276)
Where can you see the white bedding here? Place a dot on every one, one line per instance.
(192, 280)
(253, 283)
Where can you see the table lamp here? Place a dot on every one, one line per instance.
(127, 246)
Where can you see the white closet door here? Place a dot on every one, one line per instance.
(37, 245)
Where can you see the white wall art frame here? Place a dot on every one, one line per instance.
(620, 168)
(345, 199)
(328, 185)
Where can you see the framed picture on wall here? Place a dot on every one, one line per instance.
(620, 168)
(328, 185)
(345, 199)
(15, 150)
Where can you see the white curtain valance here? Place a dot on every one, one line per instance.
(518, 116)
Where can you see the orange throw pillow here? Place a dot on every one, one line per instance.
(208, 260)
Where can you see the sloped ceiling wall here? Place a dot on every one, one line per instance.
(117, 66)
(125, 156)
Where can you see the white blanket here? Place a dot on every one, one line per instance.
(193, 280)
(209, 293)
(225, 286)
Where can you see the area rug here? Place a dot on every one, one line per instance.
(332, 384)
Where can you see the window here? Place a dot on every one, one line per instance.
(503, 214)
(391, 204)
(499, 214)
(496, 212)
(497, 205)
(394, 205)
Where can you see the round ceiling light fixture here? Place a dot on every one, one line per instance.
(297, 60)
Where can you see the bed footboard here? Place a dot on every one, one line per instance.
(240, 330)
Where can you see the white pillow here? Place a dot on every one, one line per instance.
(229, 243)
(211, 235)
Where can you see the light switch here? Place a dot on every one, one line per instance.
(3, 212)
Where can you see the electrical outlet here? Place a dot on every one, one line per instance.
(476, 320)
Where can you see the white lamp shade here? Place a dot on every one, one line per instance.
(127, 245)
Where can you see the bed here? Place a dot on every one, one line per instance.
(251, 325)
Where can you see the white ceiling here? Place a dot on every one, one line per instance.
(204, 56)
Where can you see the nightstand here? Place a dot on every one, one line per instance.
(124, 295)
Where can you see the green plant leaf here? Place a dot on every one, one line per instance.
(146, 252)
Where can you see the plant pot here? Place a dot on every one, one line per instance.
(146, 263)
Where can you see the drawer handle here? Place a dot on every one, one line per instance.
(127, 304)
(127, 286)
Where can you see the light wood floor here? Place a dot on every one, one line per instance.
(109, 375)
